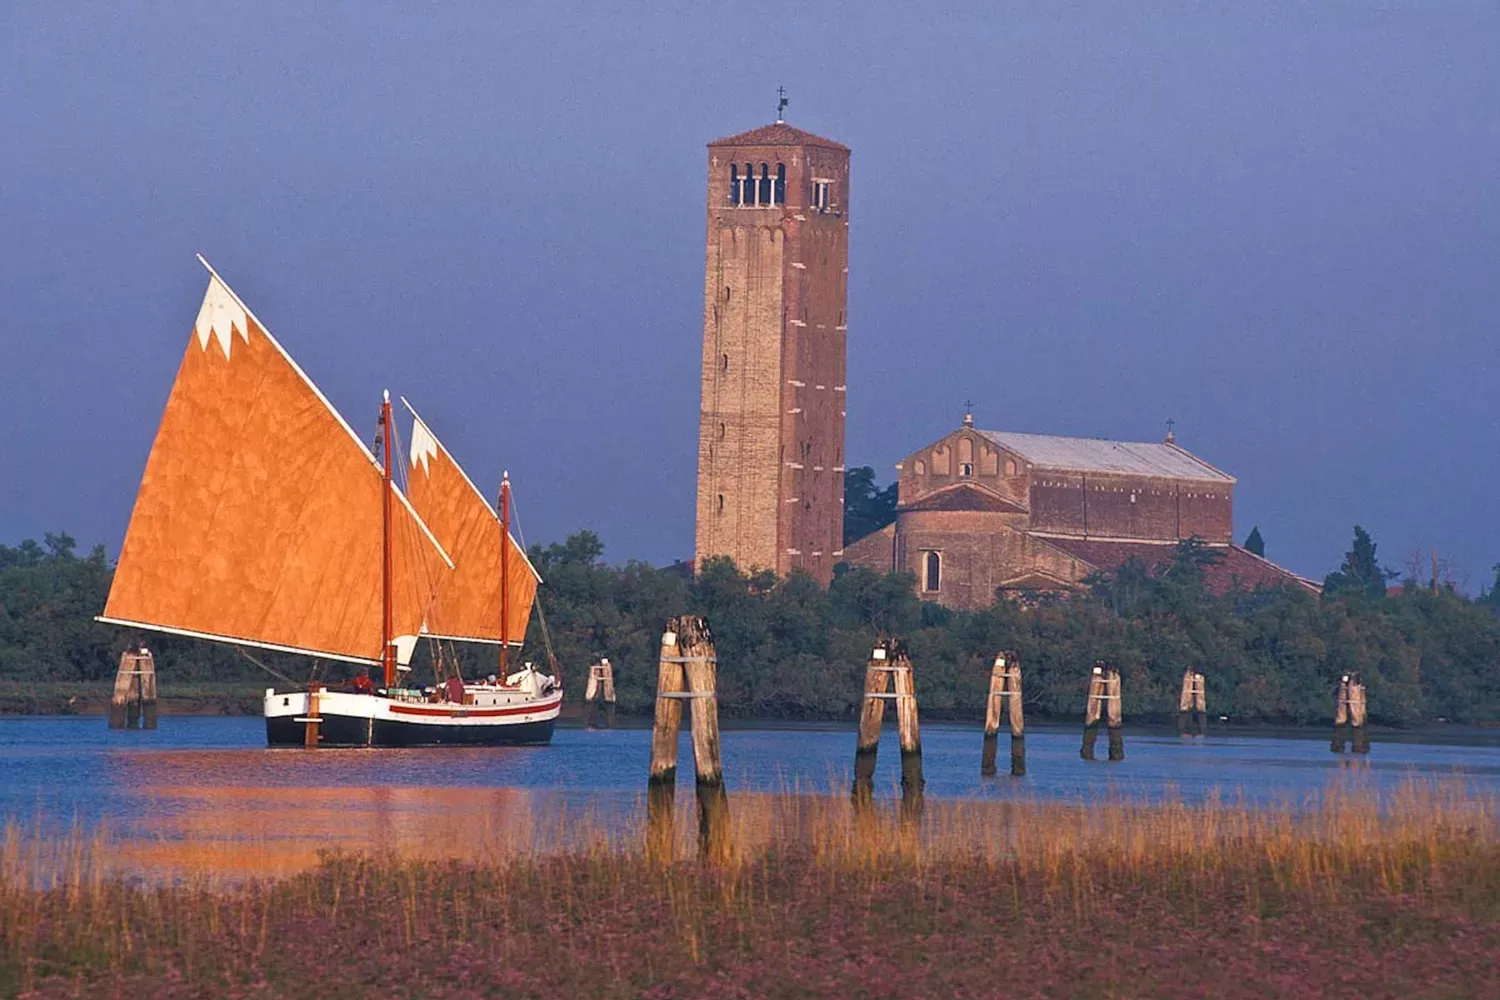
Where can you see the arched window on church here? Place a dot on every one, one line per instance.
(781, 183)
(765, 184)
(734, 184)
(932, 572)
(1010, 467)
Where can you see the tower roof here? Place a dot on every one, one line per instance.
(778, 134)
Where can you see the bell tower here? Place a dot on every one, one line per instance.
(771, 416)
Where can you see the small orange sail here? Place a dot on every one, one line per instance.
(259, 515)
(468, 603)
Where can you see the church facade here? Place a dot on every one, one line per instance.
(771, 414)
(986, 513)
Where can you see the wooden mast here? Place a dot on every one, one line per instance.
(387, 651)
(504, 575)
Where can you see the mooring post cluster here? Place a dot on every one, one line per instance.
(687, 671)
(1349, 712)
(888, 677)
(1104, 701)
(601, 686)
(1004, 699)
(133, 703)
(1192, 706)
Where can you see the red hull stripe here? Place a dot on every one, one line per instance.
(472, 713)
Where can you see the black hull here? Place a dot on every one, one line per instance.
(348, 731)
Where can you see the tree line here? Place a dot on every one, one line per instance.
(791, 649)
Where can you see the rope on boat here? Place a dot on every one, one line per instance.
(273, 673)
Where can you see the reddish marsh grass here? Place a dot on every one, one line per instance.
(1349, 897)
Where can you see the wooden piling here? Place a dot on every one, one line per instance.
(148, 689)
(311, 722)
(133, 701)
(601, 689)
(888, 676)
(1114, 714)
(1092, 710)
(1340, 715)
(671, 682)
(688, 670)
(906, 725)
(871, 716)
(1004, 700)
(1357, 714)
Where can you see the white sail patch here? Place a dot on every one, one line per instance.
(219, 316)
(424, 447)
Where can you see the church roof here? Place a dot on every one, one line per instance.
(966, 495)
(779, 134)
(1097, 455)
(1236, 566)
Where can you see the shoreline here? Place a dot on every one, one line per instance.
(215, 699)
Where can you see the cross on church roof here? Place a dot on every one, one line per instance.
(781, 104)
(1171, 438)
(968, 413)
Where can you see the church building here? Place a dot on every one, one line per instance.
(771, 415)
(986, 512)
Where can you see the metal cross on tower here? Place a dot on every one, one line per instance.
(781, 104)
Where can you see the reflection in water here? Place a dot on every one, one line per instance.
(205, 795)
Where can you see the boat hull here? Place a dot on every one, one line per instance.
(353, 720)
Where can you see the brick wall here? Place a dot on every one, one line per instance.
(771, 429)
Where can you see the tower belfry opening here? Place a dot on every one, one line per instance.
(771, 431)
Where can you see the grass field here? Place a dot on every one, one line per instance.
(1343, 897)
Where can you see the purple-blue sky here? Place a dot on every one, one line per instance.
(1277, 222)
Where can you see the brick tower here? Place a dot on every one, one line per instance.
(771, 424)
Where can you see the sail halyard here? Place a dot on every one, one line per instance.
(255, 523)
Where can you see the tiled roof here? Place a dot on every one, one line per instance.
(779, 134)
(1097, 455)
(966, 496)
(1236, 565)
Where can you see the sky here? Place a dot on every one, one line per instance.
(1276, 223)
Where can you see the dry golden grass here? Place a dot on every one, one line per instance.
(575, 904)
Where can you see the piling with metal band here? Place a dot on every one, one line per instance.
(1004, 700)
(1340, 715)
(601, 687)
(688, 671)
(1357, 713)
(133, 701)
(1093, 709)
(907, 729)
(1113, 713)
(671, 683)
(871, 715)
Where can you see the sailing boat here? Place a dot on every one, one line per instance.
(263, 521)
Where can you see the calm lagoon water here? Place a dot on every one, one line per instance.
(209, 784)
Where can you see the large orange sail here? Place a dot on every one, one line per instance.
(468, 603)
(259, 515)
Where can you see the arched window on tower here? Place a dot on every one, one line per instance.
(765, 184)
(747, 190)
(932, 572)
(781, 183)
(734, 184)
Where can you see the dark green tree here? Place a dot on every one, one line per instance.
(1254, 543)
(1360, 573)
(867, 507)
(1491, 597)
